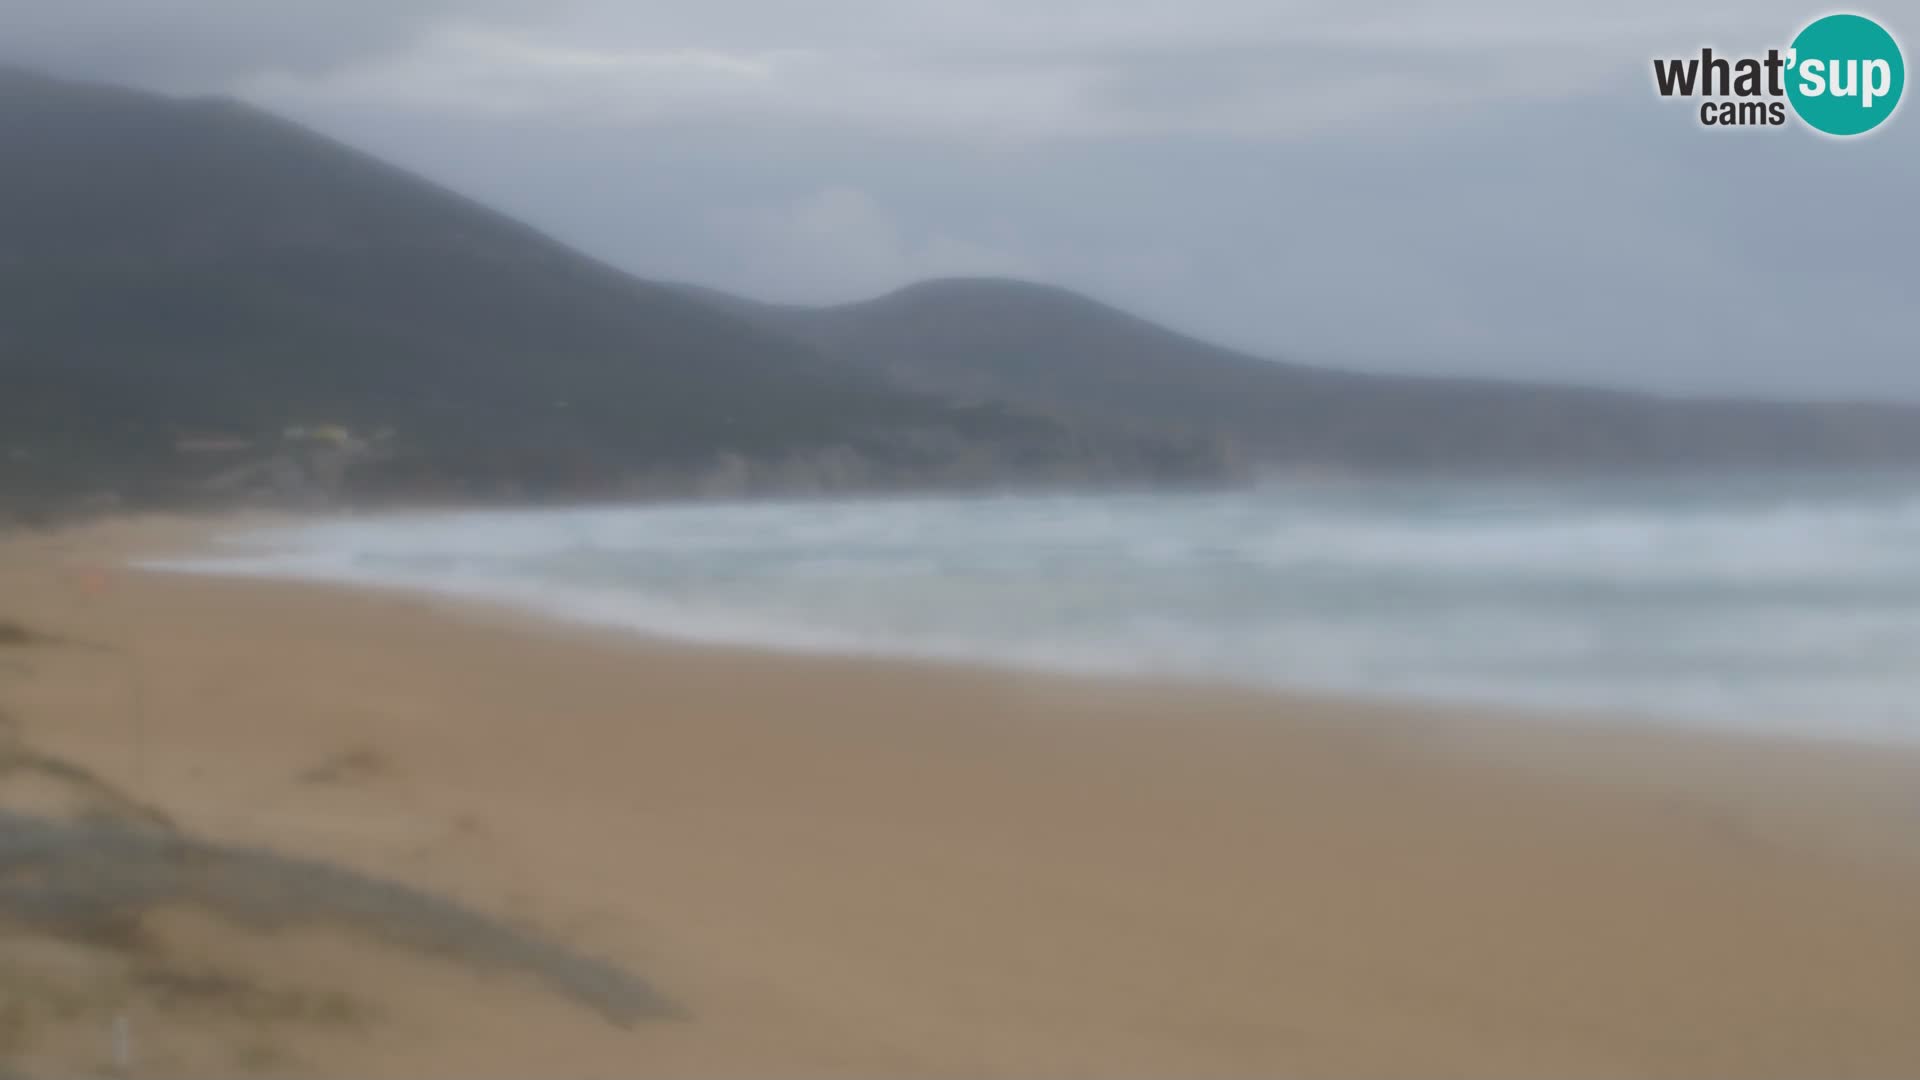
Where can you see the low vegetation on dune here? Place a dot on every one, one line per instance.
(88, 875)
(93, 880)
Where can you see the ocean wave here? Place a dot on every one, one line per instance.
(1793, 609)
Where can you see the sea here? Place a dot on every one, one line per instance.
(1780, 603)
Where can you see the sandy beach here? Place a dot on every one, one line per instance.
(838, 867)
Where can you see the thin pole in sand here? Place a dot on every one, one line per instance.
(121, 1038)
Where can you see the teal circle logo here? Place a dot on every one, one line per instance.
(1845, 74)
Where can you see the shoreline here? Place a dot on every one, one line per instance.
(525, 601)
(852, 866)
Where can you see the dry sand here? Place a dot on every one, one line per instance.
(851, 868)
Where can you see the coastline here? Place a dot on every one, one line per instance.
(1581, 613)
(845, 866)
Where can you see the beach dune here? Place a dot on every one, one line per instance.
(842, 867)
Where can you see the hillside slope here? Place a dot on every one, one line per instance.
(1052, 348)
(185, 282)
(176, 269)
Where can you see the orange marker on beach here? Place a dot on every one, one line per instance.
(91, 580)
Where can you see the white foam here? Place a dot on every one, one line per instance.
(1796, 609)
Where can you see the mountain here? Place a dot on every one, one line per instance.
(184, 281)
(1089, 363)
(201, 300)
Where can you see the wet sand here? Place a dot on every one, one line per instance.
(863, 868)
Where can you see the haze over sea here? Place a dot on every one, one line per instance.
(1777, 603)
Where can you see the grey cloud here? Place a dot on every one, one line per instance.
(1016, 71)
(205, 45)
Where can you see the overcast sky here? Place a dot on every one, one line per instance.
(1484, 186)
